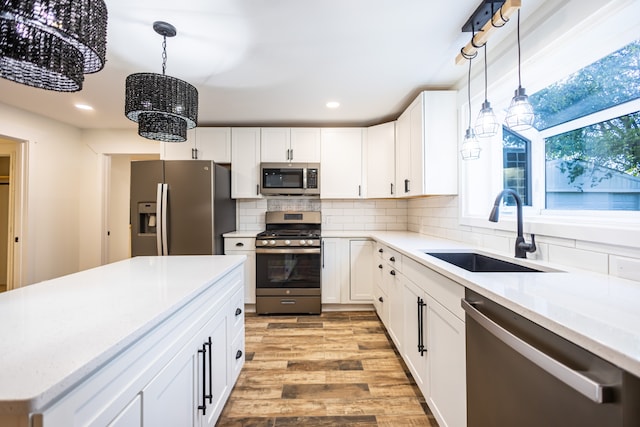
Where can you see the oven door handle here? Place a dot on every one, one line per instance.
(288, 251)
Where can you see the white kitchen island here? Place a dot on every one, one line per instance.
(153, 338)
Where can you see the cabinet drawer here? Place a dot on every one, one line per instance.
(391, 257)
(442, 289)
(239, 244)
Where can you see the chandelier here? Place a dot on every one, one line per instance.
(51, 44)
(164, 106)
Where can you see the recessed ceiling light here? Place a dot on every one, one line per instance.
(333, 104)
(84, 107)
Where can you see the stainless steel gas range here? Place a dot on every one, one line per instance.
(288, 264)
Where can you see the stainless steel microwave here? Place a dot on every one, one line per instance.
(302, 179)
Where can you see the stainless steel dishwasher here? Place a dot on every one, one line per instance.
(520, 374)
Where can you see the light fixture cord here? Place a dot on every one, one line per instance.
(469, 92)
(164, 54)
(519, 76)
(485, 72)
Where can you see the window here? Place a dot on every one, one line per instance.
(516, 166)
(592, 151)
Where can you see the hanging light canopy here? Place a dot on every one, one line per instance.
(164, 106)
(486, 124)
(51, 44)
(520, 114)
(470, 146)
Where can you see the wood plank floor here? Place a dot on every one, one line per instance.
(335, 369)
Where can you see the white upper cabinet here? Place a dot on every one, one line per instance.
(245, 163)
(203, 143)
(283, 145)
(426, 146)
(380, 160)
(341, 163)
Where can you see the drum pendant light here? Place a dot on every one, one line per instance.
(51, 44)
(164, 106)
(520, 114)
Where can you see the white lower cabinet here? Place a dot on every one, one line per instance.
(346, 275)
(245, 246)
(178, 374)
(414, 352)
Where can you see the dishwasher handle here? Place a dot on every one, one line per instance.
(599, 393)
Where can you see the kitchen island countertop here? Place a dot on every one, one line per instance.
(57, 332)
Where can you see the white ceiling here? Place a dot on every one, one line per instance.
(277, 62)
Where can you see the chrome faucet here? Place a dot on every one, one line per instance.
(522, 247)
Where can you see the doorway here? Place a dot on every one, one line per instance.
(11, 188)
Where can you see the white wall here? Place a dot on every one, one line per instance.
(50, 243)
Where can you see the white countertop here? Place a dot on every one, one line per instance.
(241, 234)
(597, 312)
(57, 332)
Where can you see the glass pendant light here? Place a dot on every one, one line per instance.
(486, 124)
(470, 146)
(520, 114)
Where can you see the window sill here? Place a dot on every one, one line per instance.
(618, 232)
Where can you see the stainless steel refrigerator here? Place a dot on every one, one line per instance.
(180, 207)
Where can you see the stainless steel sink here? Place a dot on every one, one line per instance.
(479, 263)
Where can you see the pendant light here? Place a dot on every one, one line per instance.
(51, 44)
(486, 124)
(470, 146)
(520, 114)
(164, 106)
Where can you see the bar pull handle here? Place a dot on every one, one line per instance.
(210, 395)
(159, 229)
(406, 186)
(238, 354)
(599, 393)
(239, 244)
(287, 302)
(238, 311)
(257, 189)
(392, 188)
(203, 407)
(165, 209)
(194, 153)
(322, 248)
(421, 305)
(359, 190)
(291, 150)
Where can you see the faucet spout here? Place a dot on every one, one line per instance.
(522, 247)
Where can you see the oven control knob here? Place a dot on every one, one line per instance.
(272, 242)
(310, 242)
(303, 242)
(265, 242)
(287, 242)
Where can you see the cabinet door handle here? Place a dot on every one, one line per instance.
(210, 395)
(257, 189)
(238, 311)
(381, 299)
(392, 272)
(392, 188)
(380, 266)
(392, 259)
(380, 250)
(203, 351)
(322, 250)
(194, 154)
(406, 186)
(359, 190)
(421, 305)
(238, 354)
(291, 150)
(239, 244)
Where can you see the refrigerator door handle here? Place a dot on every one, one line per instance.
(165, 246)
(159, 220)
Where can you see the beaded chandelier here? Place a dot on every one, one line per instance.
(51, 44)
(164, 106)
